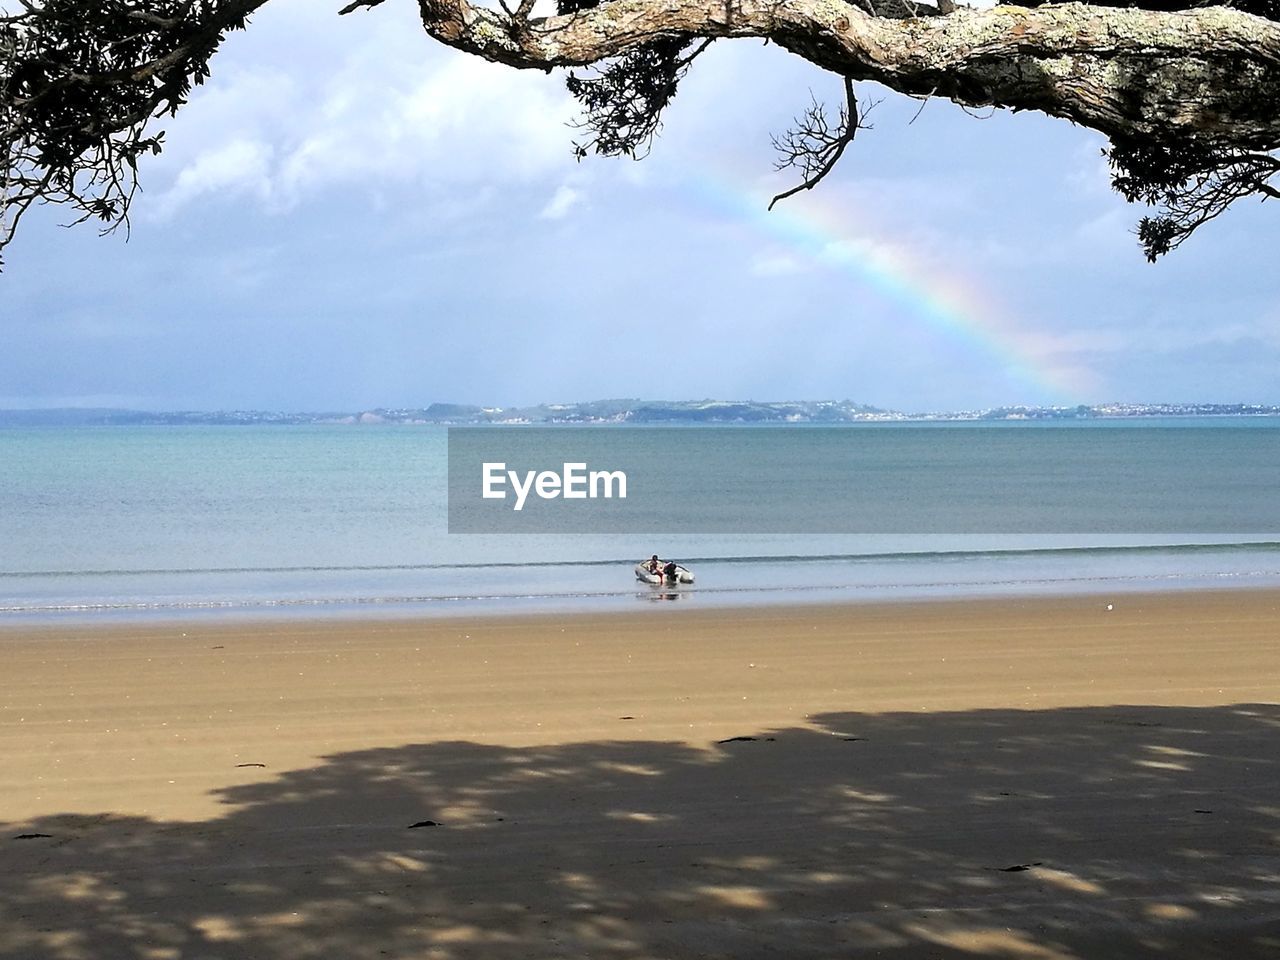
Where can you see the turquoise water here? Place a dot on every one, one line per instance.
(134, 522)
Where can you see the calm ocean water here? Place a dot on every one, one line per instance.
(141, 522)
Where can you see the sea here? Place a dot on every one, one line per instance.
(146, 523)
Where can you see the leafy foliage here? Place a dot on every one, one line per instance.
(79, 83)
(623, 101)
(1189, 182)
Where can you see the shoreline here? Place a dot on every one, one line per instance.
(358, 592)
(354, 612)
(1045, 779)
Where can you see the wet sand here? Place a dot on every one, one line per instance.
(1013, 778)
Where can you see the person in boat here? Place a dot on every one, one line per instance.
(669, 571)
(654, 565)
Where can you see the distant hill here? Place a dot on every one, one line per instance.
(85, 417)
(623, 411)
(70, 417)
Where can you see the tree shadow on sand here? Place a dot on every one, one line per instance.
(1071, 833)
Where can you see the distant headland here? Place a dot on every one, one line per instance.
(626, 411)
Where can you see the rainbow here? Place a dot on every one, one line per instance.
(811, 229)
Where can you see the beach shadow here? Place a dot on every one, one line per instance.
(1073, 833)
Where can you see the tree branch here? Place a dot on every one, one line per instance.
(357, 4)
(813, 146)
(1123, 72)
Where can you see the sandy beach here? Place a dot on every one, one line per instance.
(1037, 779)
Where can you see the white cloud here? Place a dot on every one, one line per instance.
(240, 166)
(381, 113)
(564, 200)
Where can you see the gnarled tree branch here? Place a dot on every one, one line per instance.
(1123, 72)
(1197, 90)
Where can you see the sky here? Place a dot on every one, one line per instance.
(349, 215)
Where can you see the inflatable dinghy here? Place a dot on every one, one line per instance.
(681, 574)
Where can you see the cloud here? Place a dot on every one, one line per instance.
(240, 166)
(564, 200)
(1174, 337)
(379, 115)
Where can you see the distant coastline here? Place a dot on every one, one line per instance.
(625, 411)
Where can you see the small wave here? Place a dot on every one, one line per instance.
(880, 557)
(271, 602)
(574, 596)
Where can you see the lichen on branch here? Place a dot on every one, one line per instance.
(1201, 86)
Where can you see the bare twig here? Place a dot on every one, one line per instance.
(357, 4)
(924, 102)
(814, 146)
(697, 51)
